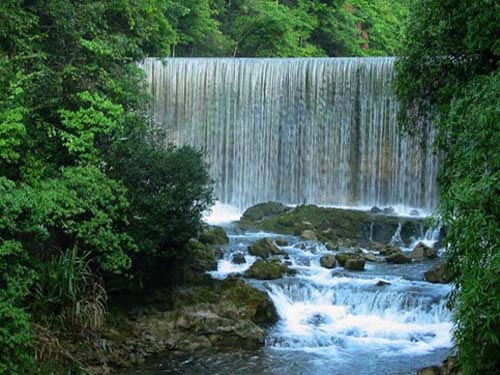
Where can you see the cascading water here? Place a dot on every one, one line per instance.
(319, 131)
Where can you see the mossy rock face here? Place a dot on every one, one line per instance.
(264, 248)
(263, 211)
(281, 242)
(398, 258)
(214, 236)
(265, 270)
(355, 264)
(334, 224)
(252, 303)
(342, 258)
(439, 275)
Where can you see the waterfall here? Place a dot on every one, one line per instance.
(306, 130)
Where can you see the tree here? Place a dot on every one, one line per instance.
(449, 75)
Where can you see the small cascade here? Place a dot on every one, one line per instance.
(396, 238)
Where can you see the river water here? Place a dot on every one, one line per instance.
(333, 321)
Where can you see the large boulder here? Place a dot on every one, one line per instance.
(263, 211)
(343, 257)
(355, 264)
(422, 251)
(398, 258)
(214, 236)
(265, 270)
(328, 261)
(389, 250)
(264, 248)
(438, 275)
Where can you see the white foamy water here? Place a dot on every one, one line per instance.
(339, 313)
(221, 213)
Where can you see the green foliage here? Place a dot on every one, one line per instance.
(450, 74)
(15, 330)
(169, 189)
(471, 207)
(69, 293)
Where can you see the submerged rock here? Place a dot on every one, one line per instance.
(264, 248)
(414, 213)
(382, 283)
(438, 275)
(214, 236)
(422, 251)
(328, 261)
(355, 264)
(265, 270)
(389, 210)
(375, 210)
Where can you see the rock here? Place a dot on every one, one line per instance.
(422, 251)
(376, 246)
(343, 257)
(281, 242)
(389, 210)
(438, 275)
(432, 370)
(249, 303)
(414, 213)
(214, 236)
(205, 328)
(375, 210)
(265, 270)
(332, 246)
(309, 235)
(328, 261)
(398, 258)
(390, 250)
(238, 258)
(369, 257)
(264, 248)
(382, 283)
(263, 211)
(355, 264)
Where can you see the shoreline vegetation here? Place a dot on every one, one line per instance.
(103, 251)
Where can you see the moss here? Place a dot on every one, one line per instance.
(264, 248)
(214, 236)
(265, 270)
(263, 210)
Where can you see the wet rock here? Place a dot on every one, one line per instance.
(309, 235)
(414, 213)
(265, 270)
(343, 257)
(301, 246)
(238, 258)
(281, 242)
(214, 236)
(328, 261)
(375, 210)
(369, 257)
(355, 264)
(263, 211)
(382, 283)
(376, 246)
(332, 246)
(438, 275)
(389, 210)
(422, 251)
(398, 258)
(264, 248)
(390, 250)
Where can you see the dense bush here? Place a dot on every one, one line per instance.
(450, 74)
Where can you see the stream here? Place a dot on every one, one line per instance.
(385, 320)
